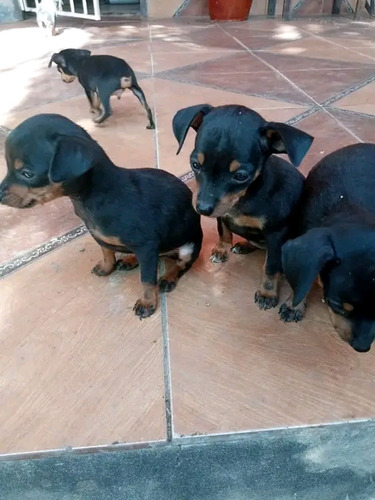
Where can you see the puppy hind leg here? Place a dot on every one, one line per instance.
(138, 92)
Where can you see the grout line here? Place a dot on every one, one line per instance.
(206, 439)
(167, 369)
(4, 130)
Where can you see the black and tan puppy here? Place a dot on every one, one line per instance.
(145, 212)
(250, 192)
(101, 77)
(337, 244)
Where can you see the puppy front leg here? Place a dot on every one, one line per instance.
(268, 294)
(221, 250)
(148, 262)
(107, 265)
(103, 98)
(289, 313)
(93, 100)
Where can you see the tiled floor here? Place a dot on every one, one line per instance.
(76, 366)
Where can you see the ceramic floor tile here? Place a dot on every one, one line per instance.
(361, 100)
(328, 135)
(123, 136)
(362, 126)
(172, 96)
(78, 367)
(236, 368)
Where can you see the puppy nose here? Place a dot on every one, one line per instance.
(204, 208)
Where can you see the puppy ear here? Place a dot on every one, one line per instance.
(58, 59)
(282, 138)
(73, 157)
(186, 118)
(304, 258)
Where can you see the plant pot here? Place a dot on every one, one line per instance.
(229, 10)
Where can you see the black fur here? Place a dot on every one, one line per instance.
(254, 197)
(337, 242)
(101, 76)
(146, 212)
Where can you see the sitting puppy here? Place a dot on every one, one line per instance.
(101, 77)
(337, 243)
(145, 212)
(250, 192)
(46, 13)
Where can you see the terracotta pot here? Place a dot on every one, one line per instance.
(229, 10)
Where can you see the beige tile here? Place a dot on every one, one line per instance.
(236, 368)
(362, 100)
(171, 96)
(78, 367)
(123, 136)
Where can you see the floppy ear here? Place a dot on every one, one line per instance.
(57, 59)
(186, 118)
(304, 258)
(282, 138)
(73, 157)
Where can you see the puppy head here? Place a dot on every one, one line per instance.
(67, 62)
(344, 259)
(44, 155)
(232, 145)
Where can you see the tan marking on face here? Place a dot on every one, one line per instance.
(200, 157)
(18, 164)
(126, 82)
(66, 78)
(21, 196)
(341, 325)
(234, 166)
(347, 307)
(227, 203)
(249, 221)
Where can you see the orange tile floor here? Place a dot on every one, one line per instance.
(77, 368)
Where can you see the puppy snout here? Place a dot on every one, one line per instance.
(205, 208)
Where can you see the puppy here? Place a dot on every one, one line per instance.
(101, 77)
(251, 193)
(46, 13)
(145, 212)
(337, 244)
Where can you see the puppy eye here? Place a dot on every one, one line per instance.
(27, 174)
(241, 176)
(195, 165)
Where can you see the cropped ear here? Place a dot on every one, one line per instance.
(73, 157)
(58, 59)
(304, 258)
(186, 118)
(282, 138)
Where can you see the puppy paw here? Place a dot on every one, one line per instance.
(166, 285)
(151, 126)
(288, 313)
(101, 269)
(219, 255)
(265, 301)
(144, 309)
(243, 248)
(127, 263)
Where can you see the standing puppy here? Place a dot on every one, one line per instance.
(250, 192)
(101, 77)
(145, 212)
(337, 243)
(46, 13)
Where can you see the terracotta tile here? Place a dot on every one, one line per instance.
(300, 63)
(136, 54)
(123, 136)
(321, 85)
(361, 100)
(257, 40)
(329, 135)
(237, 368)
(172, 96)
(267, 84)
(163, 61)
(314, 48)
(362, 126)
(79, 368)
